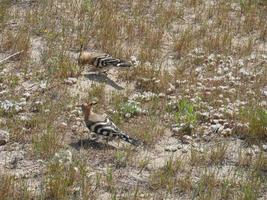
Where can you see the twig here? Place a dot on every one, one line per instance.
(5, 59)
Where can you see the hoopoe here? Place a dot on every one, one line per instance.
(102, 125)
(102, 62)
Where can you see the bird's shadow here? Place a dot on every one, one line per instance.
(91, 144)
(102, 78)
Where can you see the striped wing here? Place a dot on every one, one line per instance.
(108, 129)
(107, 60)
(105, 128)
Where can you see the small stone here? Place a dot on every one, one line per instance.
(256, 149)
(161, 95)
(26, 95)
(184, 150)
(176, 130)
(227, 132)
(263, 103)
(249, 152)
(74, 128)
(216, 128)
(264, 147)
(225, 69)
(171, 148)
(171, 88)
(43, 84)
(3, 92)
(70, 81)
(186, 139)
(244, 72)
(4, 137)
(24, 118)
(128, 115)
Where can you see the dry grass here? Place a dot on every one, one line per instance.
(13, 189)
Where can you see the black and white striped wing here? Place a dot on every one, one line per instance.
(108, 129)
(105, 128)
(107, 60)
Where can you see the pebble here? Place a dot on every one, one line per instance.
(216, 128)
(186, 139)
(161, 95)
(43, 84)
(74, 128)
(128, 115)
(264, 147)
(244, 72)
(184, 150)
(26, 95)
(70, 81)
(171, 89)
(171, 148)
(227, 132)
(176, 130)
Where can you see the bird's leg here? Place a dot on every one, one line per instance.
(102, 72)
(95, 137)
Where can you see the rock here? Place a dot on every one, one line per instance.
(24, 117)
(74, 128)
(26, 95)
(43, 85)
(171, 148)
(186, 139)
(227, 132)
(70, 81)
(199, 69)
(184, 150)
(105, 196)
(161, 95)
(216, 128)
(256, 149)
(176, 130)
(264, 147)
(249, 151)
(264, 91)
(263, 103)
(3, 92)
(128, 115)
(4, 137)
(244, 72)
(171, 89)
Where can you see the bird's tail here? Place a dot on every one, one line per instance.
(124, 64)
(119, 63)
(130, 140)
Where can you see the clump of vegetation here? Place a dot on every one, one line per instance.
(186, 113)
(166, 177)
(10, 188)
(97, 93)
(67, 180)
(257, 124)
(218, 154)
(46, 144)
(128, 109)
